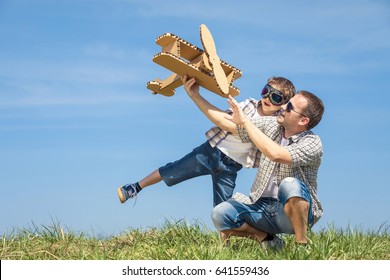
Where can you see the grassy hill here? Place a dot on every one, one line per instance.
(179, 241)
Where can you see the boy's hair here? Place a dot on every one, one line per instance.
(284, 85)
(314, 109)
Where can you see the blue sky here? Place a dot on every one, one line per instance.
(76, 119)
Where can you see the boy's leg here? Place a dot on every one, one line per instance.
(131, 190)
(224, 179)
(201, 161)
(197, 163)
(151, 179)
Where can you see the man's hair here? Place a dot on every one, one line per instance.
(284, 85)
(314, 109)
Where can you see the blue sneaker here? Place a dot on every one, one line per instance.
(127, 191)
(275, 244)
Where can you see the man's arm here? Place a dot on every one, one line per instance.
(266, 145)
(217, 116)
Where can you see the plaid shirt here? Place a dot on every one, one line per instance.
(216, 135)
(305, 149)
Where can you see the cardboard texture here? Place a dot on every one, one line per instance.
(183, 58)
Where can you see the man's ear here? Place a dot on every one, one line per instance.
(304, 121)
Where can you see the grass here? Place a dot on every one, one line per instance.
(179, 241)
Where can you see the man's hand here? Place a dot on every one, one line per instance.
(191, 87)
(238, 117)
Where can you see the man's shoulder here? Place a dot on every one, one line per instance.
(308, 134)
(308, 138)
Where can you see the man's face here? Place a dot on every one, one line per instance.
(291, 114)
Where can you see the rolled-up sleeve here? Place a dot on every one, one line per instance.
(243, 134)
(267, 125)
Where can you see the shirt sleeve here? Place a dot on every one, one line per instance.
(267, 125)
(243, 134)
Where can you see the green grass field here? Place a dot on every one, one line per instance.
(179, 241)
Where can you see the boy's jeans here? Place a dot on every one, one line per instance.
(204, 160)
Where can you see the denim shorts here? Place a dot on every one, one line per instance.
(267, 214)
(204, 160)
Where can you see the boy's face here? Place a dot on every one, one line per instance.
(268, 108)
(272, 99)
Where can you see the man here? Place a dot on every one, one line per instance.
(283, 197)
(223, 154)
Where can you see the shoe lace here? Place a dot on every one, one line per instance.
(135, 201)
(134, 195)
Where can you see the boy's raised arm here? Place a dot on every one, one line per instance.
(214, 114)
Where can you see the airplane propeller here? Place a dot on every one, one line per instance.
(215, 62)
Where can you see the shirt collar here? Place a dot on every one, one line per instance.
(296, 137)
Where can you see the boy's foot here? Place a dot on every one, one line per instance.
(127, 191)
(272, 242)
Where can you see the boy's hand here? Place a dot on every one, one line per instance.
(191, 87)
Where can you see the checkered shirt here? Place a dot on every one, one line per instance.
(216, 135)
(305, 149)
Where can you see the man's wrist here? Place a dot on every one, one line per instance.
(245, 122)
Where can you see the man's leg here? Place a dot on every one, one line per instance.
(229, 218)
(297, 210)
(246, 230)
(295, 197)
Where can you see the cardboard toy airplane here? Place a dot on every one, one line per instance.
(183, 58)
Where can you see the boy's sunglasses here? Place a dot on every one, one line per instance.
(275, 96)
(290, 107)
